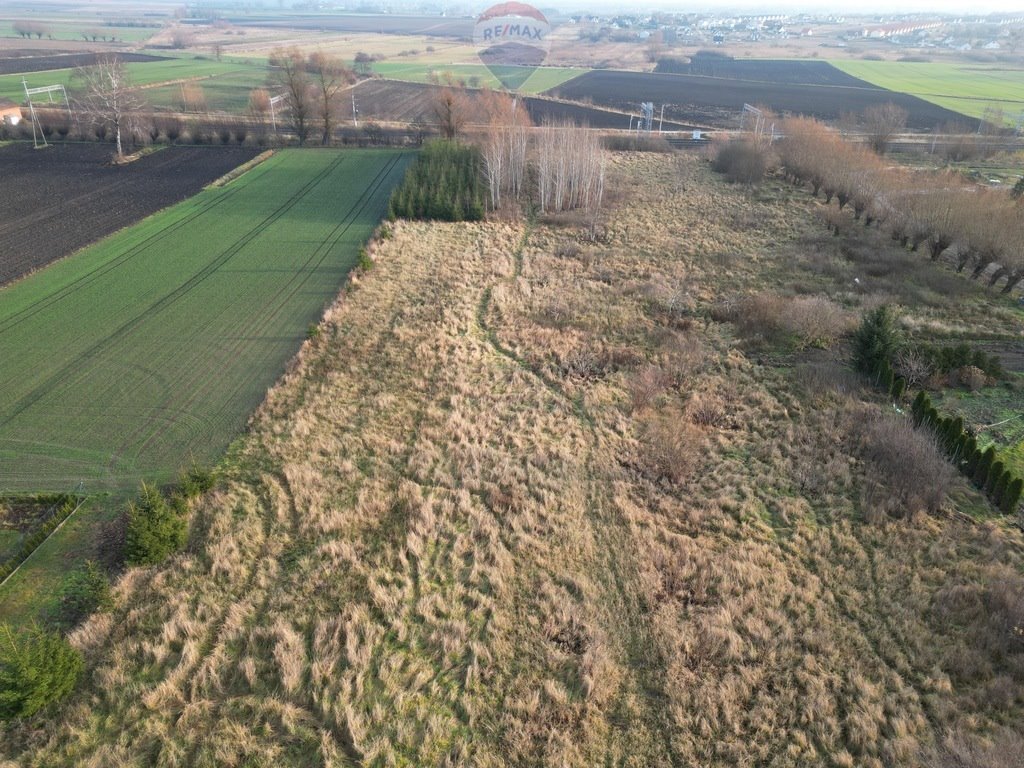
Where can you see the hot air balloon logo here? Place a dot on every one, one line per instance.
(512, 40)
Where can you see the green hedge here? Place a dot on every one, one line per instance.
(983, 467)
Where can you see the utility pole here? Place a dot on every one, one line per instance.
(32, 113)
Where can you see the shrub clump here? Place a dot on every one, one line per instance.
(37, 668)
(907, 464)
(85, 591)
(741, 162)
(445, 183)
(155, 528)
(811, 321)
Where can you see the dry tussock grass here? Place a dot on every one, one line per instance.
(446, 542)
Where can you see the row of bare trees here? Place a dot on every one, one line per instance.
(982, 228)
(312, 86)
(564, 161)
(570, 168)
(561, 163)
(28, 28)
(505, 148)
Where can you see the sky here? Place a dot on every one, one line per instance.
(840, 7)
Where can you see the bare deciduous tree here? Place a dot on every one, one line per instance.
(329, 77)
(108, 97)
(193, 98)
(883, 121)
(570, 168)
(259, 108)
(451, 108)
(291, 75)
(505, 146)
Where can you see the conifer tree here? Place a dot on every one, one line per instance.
(995, 473)
(1011, 498)
(154, 531)
(984, 465)
(37, 667)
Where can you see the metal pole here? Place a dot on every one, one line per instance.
(355, 119)
(661, 120)
(32, 113)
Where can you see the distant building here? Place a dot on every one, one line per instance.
(10, 113)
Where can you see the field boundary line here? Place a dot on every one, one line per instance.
(167, 299)
(28, 557)
(241, 170)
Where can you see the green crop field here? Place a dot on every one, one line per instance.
(239, 77)
(968, 88)
(152, 347)
(62, 29)
(228, 92)
(542, 79)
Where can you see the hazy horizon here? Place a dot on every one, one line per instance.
(937, 7)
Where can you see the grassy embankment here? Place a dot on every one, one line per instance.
(529, 499)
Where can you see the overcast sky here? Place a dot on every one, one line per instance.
(868, 6)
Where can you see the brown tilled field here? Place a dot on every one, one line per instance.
(394, 101)
(40, 61)
(538, 494)
(784, 87)
(63, 197)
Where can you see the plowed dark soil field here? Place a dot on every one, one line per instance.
(393, 101)
(59, 199)
(778, 71)
(40, 63)
(718, 101)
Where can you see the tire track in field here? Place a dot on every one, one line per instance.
(61, 375)
(279, 300)
(210, 383)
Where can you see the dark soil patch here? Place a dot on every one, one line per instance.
(394, 101)
(62, 198)
(18, 64)
(763, 70)
(718, 101)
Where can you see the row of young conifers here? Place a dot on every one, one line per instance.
(983, 228)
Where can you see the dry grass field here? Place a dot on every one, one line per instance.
(530, 498)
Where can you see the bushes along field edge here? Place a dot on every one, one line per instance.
(875, 345)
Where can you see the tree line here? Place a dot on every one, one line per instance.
(935, 211)
(877, 344)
